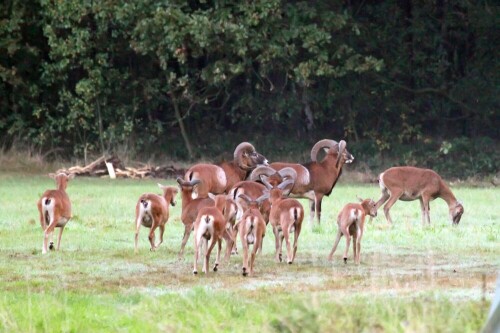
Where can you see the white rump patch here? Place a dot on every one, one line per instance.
(250, 238)
(381, 181)
(221, 177)
(355, 213)
(145, 217)
(48, 208)
(205, 226)
(303, 177)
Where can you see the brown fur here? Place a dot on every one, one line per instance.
(283, 221)
(62, 209)
(323, 176)
(246, 158)
(190, 209)
(409, 183)
(251, 220)
(214, 237)
(351, 222)
(159, 213)
(253, 190)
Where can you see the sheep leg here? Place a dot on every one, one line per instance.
(280, 256)
(151, 236)
(358, 245)
(217, 258)
(61, 229)
(229, 246)
(392, 200)
(422, 209)
(383, 198)
(197, 248)
(319, 200)
(207, 255)
(187, 232)
(256, 247)
(425, 202)
(252, 260)
(335, 244)
(354, 245)
(48, 233)
(276, 239)
(244, 244)
(51, 239)
(234, 234)
(162, 230)
(295, 241)
(312, 206)
(286, 236)
(345, 231)
(137, 228)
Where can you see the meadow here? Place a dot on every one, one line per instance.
(436, 278)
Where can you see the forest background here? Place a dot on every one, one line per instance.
(403, 82)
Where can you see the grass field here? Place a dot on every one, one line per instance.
(436, 278)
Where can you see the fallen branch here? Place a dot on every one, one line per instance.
(98, 168)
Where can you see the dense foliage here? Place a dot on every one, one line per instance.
(94, 76)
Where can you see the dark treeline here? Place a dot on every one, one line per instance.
(93, 76)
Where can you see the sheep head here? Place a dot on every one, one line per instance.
(169, 193)
(188, 188)
(334, 148)
(247, 157)
(456, 212)
(369, 206)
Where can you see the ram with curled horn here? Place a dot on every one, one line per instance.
(316, 179)
(272, 176)
(219, 178)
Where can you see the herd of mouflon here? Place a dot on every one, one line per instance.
(239, 198)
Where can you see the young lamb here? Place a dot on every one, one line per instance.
(351, 222)
(152, 211)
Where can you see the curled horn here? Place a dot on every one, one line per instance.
(263, 197)
(261, 170)
(321, 144)
(342, 145)
(289, 173)
(183, 182)
(287, 182)
(245, 197)
(266, 183)
(244, 146)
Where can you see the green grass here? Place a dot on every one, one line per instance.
(436, 278)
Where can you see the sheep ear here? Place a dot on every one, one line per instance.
(71, 176)
(359, 199)
(52, 175)
(160, 186)
(211, 196)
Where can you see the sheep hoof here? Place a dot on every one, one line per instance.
(289, 262)
(345, 260)
(195, 272)
(215, 267)
(245, 271)
(280, 257)
(51, 246)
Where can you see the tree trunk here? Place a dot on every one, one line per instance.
(184, 134)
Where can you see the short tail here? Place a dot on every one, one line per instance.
(294, 212)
